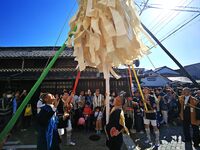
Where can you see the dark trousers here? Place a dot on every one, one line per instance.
(139, 124)
(116, 143)
(186, 132)
(26, 122)
(87, 123)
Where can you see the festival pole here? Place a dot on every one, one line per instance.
(107, 103)
(130, 79)
(76, 81)
(139, 87)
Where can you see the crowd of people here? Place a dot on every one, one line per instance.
(59, 113)
(9, 103)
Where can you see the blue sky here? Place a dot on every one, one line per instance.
(38, 23)
(33, 22)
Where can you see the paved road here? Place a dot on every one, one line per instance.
(81, 138)
(170, 140)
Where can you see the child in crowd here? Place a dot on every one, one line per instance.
(98, 119)
(87, 112)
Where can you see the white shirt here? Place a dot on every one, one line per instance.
(99, 115)
(53, 107)
(186, 101)
(39, 105)
(98, 101)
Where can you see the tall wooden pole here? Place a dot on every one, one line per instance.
(107, 101)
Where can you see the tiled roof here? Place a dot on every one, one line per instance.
(41, 69)
(196, 66)
(193, 70)
(18, 52)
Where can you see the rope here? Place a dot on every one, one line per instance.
(61, 31)
(151, 62)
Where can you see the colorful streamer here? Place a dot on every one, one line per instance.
(130, 79)
(76, 81)
(139, 87)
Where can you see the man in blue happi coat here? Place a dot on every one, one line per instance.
(48, 138)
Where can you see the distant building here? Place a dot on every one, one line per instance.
(153, 79)
(167, 72)
(193, 70)
(159, 77)
(164, 76)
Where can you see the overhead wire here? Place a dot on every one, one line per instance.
(176, 30)
(180, 27)
(188, 25)
(143, 7)
(172, 32)
(171, 19)
(161, 19)
(174, 9)
(177, 6)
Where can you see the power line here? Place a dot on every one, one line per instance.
(171, 19)
(144, 7)
(180, 24)
(162, 19)
(177, 6)
(167, 17)
(169, 35)
(174, 9)
(180, 27)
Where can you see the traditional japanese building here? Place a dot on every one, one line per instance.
(20, 67)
